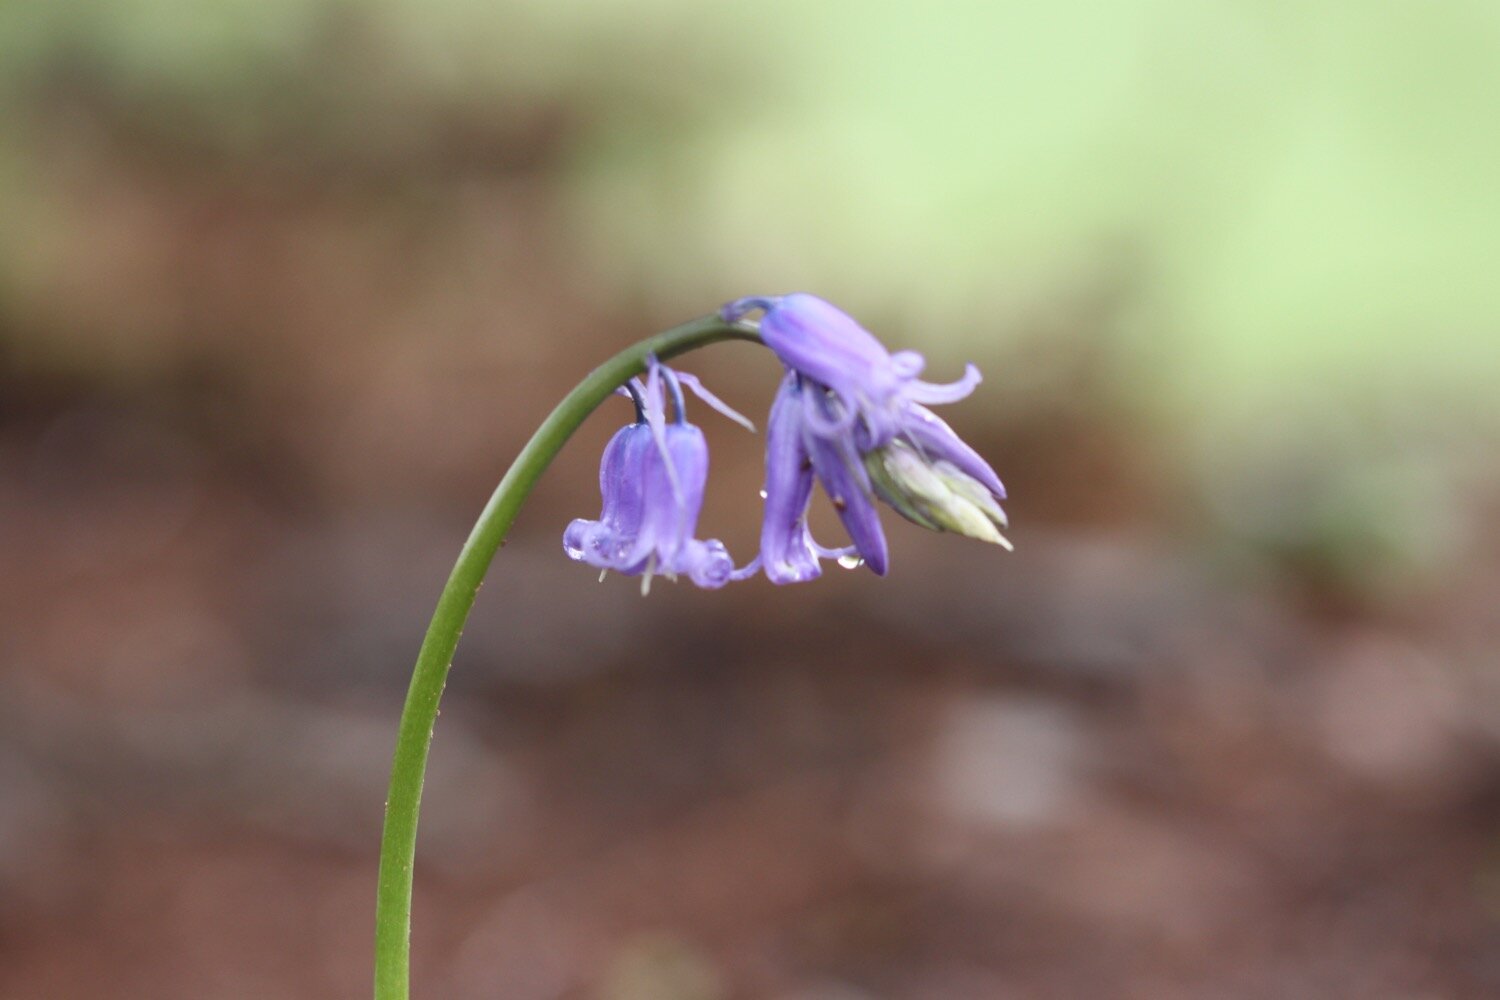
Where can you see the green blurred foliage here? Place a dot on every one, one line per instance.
(1288, 188)
(1278, 221)
(1296, 197)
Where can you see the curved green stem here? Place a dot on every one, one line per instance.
(403, 803)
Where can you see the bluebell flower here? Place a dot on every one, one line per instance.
(652, 478)
(853, 416)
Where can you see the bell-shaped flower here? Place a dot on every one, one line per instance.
(788, 553)
(652, 478)
(824, 344)
(850, 414)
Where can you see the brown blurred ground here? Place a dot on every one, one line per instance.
(242, 434)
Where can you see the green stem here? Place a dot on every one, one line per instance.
(404, 801)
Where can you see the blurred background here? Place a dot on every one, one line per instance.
(285, 284)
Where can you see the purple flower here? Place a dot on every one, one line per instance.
(850, 414)
(652, 478)
(788, 552)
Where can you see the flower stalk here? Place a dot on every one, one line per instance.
(418, 716)
(849, 414)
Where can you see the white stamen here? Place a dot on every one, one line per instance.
(646, 577)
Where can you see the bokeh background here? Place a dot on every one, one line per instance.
(284, 285)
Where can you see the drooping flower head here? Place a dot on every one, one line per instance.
(652, 478)
(851, 414)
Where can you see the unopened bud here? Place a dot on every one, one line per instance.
(935, 494)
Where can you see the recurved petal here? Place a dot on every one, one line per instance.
(602, 546)
(937, 393)
(707, 563)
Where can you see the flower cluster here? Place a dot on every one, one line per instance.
(849, 415)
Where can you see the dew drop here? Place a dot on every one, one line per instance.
(851, 562)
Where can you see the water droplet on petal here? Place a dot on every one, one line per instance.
(762, 494)
(851, 561)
